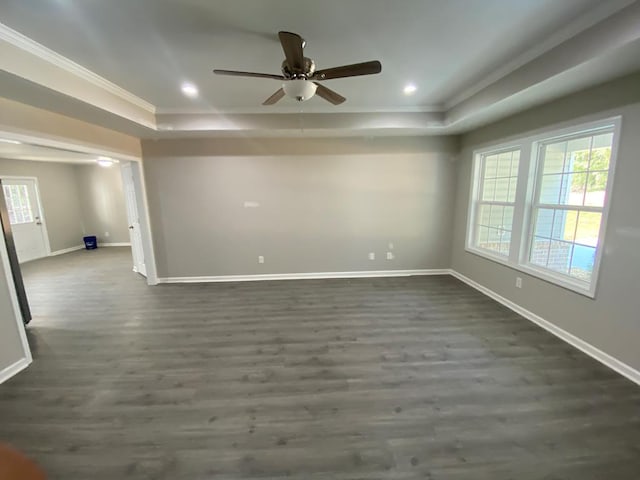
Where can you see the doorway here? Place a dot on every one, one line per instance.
(133, 217)
(22, 198)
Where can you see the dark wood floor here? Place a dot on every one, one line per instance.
(397, 378)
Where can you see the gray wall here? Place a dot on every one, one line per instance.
(611, 322)
(324, 204)
(59, 197)
(102, 203)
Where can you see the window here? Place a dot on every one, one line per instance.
(496, 201)
(554, 228)
(17, 199)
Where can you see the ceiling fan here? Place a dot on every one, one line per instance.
(300, 77)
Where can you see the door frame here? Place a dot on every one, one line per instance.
(139, 185)
(43, 217)
(26, 360)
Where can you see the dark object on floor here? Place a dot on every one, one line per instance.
(15, 466)
(90, 242)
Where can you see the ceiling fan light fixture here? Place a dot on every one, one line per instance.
(299, 90)
(410, 89)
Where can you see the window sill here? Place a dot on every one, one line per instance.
(560, 281)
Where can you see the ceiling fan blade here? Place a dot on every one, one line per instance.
(357, 69)
(329, 95)
(274, 98)
(235, 73)
(292, 44)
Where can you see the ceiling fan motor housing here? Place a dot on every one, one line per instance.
(309, 69)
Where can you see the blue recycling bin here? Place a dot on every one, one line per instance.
(90, 242)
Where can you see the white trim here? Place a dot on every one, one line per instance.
(303, 276)
(42, 141)
(66, 250)
(14, 369)
(115, 244)
(147, 237)
(526, 197)
(594, 352)
(28, 45)
(27, 359)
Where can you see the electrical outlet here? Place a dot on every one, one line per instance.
(390, 256)
(518, 282)
(260, 259)
(372, 256)
(106, 234)
(390, 246)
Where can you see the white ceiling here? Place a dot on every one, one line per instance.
(452, 50)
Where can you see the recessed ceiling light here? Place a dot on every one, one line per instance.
(106, 161)
(189, 89)
(13, 142)
(410, 89)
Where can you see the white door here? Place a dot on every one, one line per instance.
(134, 220)
(29, 235)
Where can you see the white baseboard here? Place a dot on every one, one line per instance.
(303, 276)
(594, 352)
(66, 250)
(115, 244)
(11, 370)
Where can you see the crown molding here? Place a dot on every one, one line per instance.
(25, 43)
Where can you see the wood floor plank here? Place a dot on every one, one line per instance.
(382, 378)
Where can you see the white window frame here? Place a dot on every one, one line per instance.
(528, 178)
(475, 200)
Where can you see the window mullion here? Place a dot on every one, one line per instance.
(517, 231)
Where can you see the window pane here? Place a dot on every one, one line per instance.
(507, 222)
(553, 155)
(543, 223)
(577, 149)
(588, 228)
(559, 256)
(18, 206)
(490, 166)
(504, 247)
(515, 163)
(504, 165)
(573, 194)
(494, 238)
(604, 140)
(513, 183)
(582, 262)
(488, 189)
(498, 185)
(596, 187)
(564, 225)
(539, 251)
(495, 219)
(502, 189)
(483, 214)
(483, 236)
(550, 188)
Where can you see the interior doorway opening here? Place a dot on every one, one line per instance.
(56, 195)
